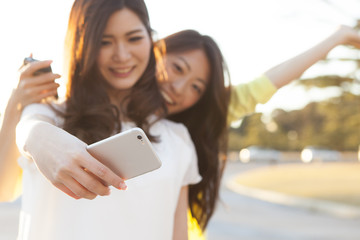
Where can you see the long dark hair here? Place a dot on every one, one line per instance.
(89, 114)
(206, 122)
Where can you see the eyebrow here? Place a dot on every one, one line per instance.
(188, 66)
(186, 63)
(127, 34)
(134, 31)
(202, 81)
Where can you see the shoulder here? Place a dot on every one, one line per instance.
(261, 88)
(173, 132)
(37, 109)
(185, 151)
(178, 128)
(43, 110)
(175, 129)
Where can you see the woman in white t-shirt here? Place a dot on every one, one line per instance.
(111, 87)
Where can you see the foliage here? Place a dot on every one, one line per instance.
(334, 123)
(325, 81)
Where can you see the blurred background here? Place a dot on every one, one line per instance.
(303, 143)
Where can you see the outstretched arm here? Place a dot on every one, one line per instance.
(29, 90)
(62, 158)
(293, 68)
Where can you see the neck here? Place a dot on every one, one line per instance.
(118, 98)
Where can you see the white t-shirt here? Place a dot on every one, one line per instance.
(144, 211)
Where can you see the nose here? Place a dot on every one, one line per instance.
(179, 86)
(121, 53)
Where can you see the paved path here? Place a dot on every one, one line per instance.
(241, 217)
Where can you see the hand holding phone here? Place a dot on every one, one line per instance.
(40, 71)
(128, 154)
(28, 60)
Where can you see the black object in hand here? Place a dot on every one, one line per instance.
(40, 71)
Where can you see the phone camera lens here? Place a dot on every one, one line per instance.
(139, 137)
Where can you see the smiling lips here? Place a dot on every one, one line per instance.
(122, 72)
(167, 98)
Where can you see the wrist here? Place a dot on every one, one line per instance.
(337, 38)
(12, 112)
(343, 35)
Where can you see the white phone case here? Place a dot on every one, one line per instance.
(128, 154)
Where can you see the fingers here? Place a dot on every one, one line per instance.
(79, 182)
(99, 179)
(90, 183)
(42, 89)
(75, 182)
(104, 173)
(72, 188)
(29, 69)
(41, 79)
(28, 79)
(32, 89)
(36, 94)
(38, 98)
(63, 188)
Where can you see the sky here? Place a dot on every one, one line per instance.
(253, 35)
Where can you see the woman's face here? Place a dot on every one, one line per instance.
(125, 50)
(187, 79)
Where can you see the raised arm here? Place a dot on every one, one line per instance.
(293, 68)
(29, 90)
(245, 97)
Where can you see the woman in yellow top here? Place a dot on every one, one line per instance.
(191, 100)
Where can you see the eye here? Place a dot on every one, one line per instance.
(105, 42)
(135, 39)
(178, 68)
(197, 88)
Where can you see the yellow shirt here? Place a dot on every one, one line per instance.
(243, 100)
(245, 97)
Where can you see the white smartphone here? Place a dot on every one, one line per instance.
(128, 154)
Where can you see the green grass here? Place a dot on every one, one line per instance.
(336, 182)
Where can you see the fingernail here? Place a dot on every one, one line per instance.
(109, 192)
(122, 186)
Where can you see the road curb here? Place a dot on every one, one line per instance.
(332, 208)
